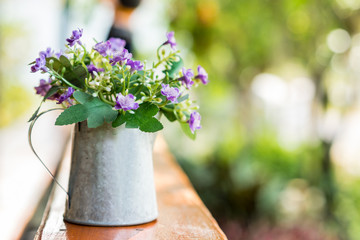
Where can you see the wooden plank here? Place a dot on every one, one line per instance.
(182, 215)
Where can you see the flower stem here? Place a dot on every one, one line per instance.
(55, 74)
(104, 100)
(164, 59)
(167, 109)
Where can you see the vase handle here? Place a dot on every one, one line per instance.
(32, 147)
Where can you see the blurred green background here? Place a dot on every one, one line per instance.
(284, 85)
(278, 154)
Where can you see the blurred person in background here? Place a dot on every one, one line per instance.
(121, 26)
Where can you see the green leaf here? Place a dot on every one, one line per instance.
(65, 61)
(35, 114)
(141, 73)
(137, 90)
(131, 121)
(73, 114)
(147, 109)
(90, 108)
(143, 118)
(80, 72)
(151, 125)
(98, 112)
(51, 92)
(82, 97)
(76, 76)
(175, 68)
(183, 98)
(56, 64)
(186, 129)
(169, 115)
(120, 120)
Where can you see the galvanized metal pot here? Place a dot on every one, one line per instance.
(111, 179)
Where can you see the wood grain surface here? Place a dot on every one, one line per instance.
(182, 215)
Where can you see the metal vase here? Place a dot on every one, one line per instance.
(111, 179)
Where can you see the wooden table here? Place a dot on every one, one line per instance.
(182, 215)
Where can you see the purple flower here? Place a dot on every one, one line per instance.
(43, 88)
(186, 78)
(91, 68)
(41, 60)
(194, 121)
(117, 44)
(58, 54)
(75, 37)
(135, 65)
(66, 95)
(103, 48)
(171, 93)
(202, 75)
(120, 57)
(47, 53)
(56, 96)
(126, 102)
(171, 40)
(40, 64)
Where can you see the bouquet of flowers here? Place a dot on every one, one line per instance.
(106, 84)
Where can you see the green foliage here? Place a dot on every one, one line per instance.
(183, 98)
(174, 67)
(235, 41)
(90, 108)
(52, 91)
(34, 114)
(142, 118)
(186, 129)
(73, 114)
(116, 83)
(169, 114)
(82, 97)
(65, 61)
(75, 75)
(251, 182)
